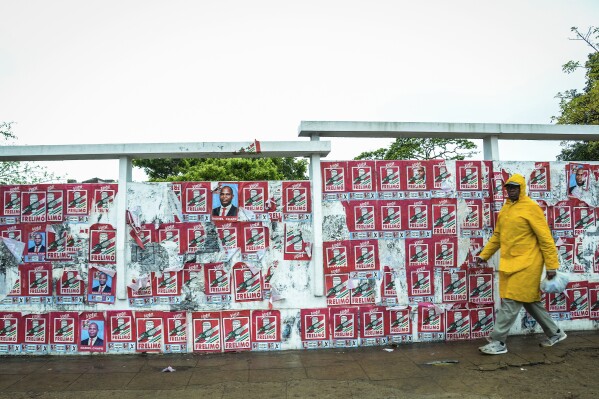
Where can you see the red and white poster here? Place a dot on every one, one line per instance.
(361, 217)
(255, 237)
(540, 179)
(334, 178)
(78, 201)
(389, 179)
(196, 198)
(70, 287)
(171, 233)
(344, 327)
(266, 329)
(362, 179)
(366, 255)
(388, 287)
(473, 218)
(253, 196)
(421, 280)
(581, 263)
(38, 281)
(36, 332)
(373, 325)
(400, 325)
(55, 203)
(583, 217)
(469, 178)
(445, 251)
(565, 252)
(33, 204)
(175, 334)
(11, 203)
(141, 292)
(64, 332)
(120, 330)
(390, 215)
(150, 331)
(419, 252)
(247, 283)
(480, 285)
(593, 287)
(556, 302)
(497, 182)
(296, 247)
(337, 256)
(458, 323)
(13, 231)
(101, 285)
(297, 197)
(419, 217)
(104, 196)
(207, 332)
(11, 332)
(193, 274)
(441, 175)
(92, 332)
(315, 328)
(168, 285)
(430, 318)
(61, 244)
(102, 244)
(236, 330)
(270, 271)
(416, 177)
(228, 234)
(36, 244)
(337, 291)
(217, 282)
(481, 321)
(444, 212)
(194, 239)
(363, 291)
(562, 219)
(578, 176)
(577, 294)
(455, 285)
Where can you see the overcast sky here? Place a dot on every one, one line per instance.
(178, 71)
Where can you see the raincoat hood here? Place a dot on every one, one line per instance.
(519, 179)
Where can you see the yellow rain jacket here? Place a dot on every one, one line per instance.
(526, 244)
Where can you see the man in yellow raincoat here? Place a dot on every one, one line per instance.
(526, 245)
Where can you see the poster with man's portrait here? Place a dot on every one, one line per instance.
(225, 201)
(92, 332)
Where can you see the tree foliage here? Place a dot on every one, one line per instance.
(13, 172)
(581, 107)
(427, 148)
(223, 169)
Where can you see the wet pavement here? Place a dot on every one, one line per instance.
(420, 370)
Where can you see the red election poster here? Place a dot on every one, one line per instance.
(101, 285)
(121, 330)
(36, 244)
(454, 285)
(102, 244)
(196, 201)
(147, 234)
(254, 236)
(69, 287)
(194, 238)
(236, 330)
(430, 318)
(266, 329)
(390, 215)
(64, 329)
(498, 192)
(334, 180)
(297, 197)
(270, 271)
(593, 301)
(539, 181)
(420, 280)
(581, 264)
(150, 331)
(228, 234)
(480, 285)
(419, 252)
(362, 218)
(362, 291)
(171, 233)
(338, 294)
(217, 286)
(583, 216)
(445, 251)
(472, 223)
(78, 202)
(362, 176)
(440, 175)
(296, 247)
(61, 244)
(16, 293)
(565, 251)
(458, 323)
(373, 325)
(337, 256)
(11, 204)
(389, 182)
(556, 302)
(366, 258)
(416, 178)
(253, 196)
(175, 334)
(55, 201)
(38, 280)
(92, 332)
(36, 332)
(577, 297)
(596, 258)
(344, 327)
(486, 176)
(192, 274)
(419, 218)
(469, 179)
(168, 286)
(11, 332)
(104, 196)
(141, 291)
(562, 219)
(388, 287)
(14, 231)
(225, 201)
(207, 333)
(315, 328)
(578, 178)
(248, 284)
(444, 216)
(400, 326)
(481, 321)
(33, 204)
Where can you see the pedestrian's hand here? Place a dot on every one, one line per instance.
(478, 260)
(551, 274)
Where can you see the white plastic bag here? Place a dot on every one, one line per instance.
(556, 285)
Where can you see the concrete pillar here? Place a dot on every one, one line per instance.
(491, 148)
(316, 179)
(122, 230)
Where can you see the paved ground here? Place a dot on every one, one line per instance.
(568, 370)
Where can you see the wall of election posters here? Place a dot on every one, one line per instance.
(227, 266)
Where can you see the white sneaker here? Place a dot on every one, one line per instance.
(493, 348)
(558, 337)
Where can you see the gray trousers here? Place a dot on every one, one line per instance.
(508, 312)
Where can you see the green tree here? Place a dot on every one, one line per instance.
(427, 148)
(581, 108)
(13, 172)
(223, 169)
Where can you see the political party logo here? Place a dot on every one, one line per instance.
(539, 178)
(472, 220)
(584, 218)
(364, 217)
(417, 216)
(35, 330)
(12, 202)
(8, 329)
(418, 253)
(255, 238)
(391, 217)
(469, 177)
(445, 253)
(481, 322)
(556, 302)
(297, 199)
(102, 246)
(337, 292)
(70, 283)
(481, 288)
(344, 325)
(389, 176)
(64, 330)
(266, 327)
(248, 285)
(365, 257)
(236, 332)
(336, 257)
(196, 199)
(430, 319)
(176, 329)
(228, 236)
(12, 232)
(77, 202)
(253, 198)
(168, 284)
(458, 324)
(33, 207)
(440, 176)
(334, 179)
(416, 175)
(39, 282)
(149, 333)
(361, 176)
(121, 327)
(103, 199)
(454, 286)
(363, 292)
(196, 239)
(565, 252)
(562, 217)
(421, 282)
(444, 218)
(217, 281)
(206, 334)
(399, 321)
(373, 323)
(314, 326)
